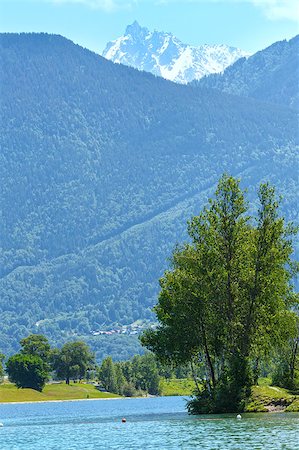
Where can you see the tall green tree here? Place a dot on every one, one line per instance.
(27, 371)
(108, 376)
(286, 370)
(120, 379)
(72, 361)
(226, 302)
(36, 344)
(146, 375)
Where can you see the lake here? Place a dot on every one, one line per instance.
(152, 423)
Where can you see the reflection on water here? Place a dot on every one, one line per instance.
(152, 423)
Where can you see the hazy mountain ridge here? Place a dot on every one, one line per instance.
(164, 55)
(271, 75)
(101, 166)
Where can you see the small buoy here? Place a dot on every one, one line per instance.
(1, 424)
(123, 420)
(239, 416)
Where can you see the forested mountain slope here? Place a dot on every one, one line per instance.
(101, 166)
(271, 75)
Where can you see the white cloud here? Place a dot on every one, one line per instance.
(279, 9)
(272, 9)
(106, 5)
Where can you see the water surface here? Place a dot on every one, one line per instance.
(152, 423)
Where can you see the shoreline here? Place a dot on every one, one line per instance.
(253, 411)
(79, 400)
(264, 398)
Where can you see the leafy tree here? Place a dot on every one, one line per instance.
(146, 375)
(37, 345)
(72, 361)
(227, 300)
(140, 374)
(27, 371)
(127, 370)
(120, 379)
(286, 372)
(129, 390)
(108, 376)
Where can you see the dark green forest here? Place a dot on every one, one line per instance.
(101, 166)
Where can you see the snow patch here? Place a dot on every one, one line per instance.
(165, 55)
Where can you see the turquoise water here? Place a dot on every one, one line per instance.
(152, 423)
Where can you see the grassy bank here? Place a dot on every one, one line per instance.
(75, 391)
(264, 398)
(272, 399)
(175, 386)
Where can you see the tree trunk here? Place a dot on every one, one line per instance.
(208, 357)
(194, 377)
(293, 360)
(256, 371)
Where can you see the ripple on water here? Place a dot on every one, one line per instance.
(156, 423)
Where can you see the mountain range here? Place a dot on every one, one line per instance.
(101, 167)
(271, 75)
(165, 55)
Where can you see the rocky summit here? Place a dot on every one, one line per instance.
(165, 55)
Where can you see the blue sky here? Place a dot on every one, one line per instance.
(248, 24)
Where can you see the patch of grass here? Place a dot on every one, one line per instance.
(294, 406)
(175, 386)
(271, 398)
(272, 392)
(264, 398)
(75, 391)
(264, 381)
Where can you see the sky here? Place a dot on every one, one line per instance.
(248, 24)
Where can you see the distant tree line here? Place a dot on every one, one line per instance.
(130, 378)
(32, 366)
(36, 363)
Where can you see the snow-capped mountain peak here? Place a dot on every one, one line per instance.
(165, 55)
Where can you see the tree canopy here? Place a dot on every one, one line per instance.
(72, 361)
(107, 375)
(27, 371)
(138, 375)
(37, 345)
(227, 301)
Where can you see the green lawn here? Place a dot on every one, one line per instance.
(175, 386)
(9, 393)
